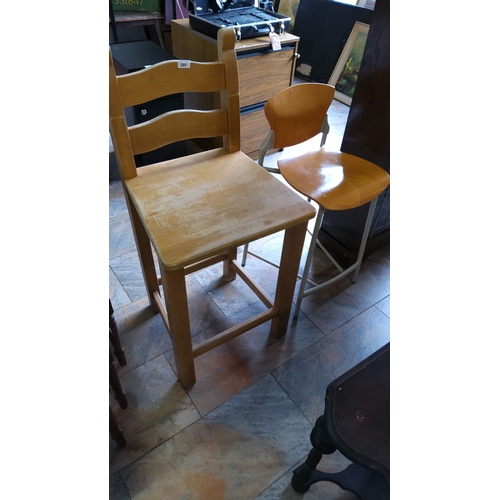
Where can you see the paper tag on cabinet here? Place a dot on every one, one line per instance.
(275, 40)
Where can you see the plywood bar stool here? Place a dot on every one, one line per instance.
(334, 180)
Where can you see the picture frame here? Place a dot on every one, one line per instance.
(289, 8)
(345, 73)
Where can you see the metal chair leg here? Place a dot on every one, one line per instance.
(310, 254)
(364, 239)
(245, 253)
(352, 270)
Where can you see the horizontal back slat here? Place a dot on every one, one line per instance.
(176, 126)
(168, 78)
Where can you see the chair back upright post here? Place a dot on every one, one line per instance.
(168, 78)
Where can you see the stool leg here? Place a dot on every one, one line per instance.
(245, 253)
(229, 272)
(369, 218)
(115, 431)
(145, 253)
(310, 255)
(174, 287)
(114, 382)
(115, 338)
(287, 277)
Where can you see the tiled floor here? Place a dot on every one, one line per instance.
(241, 430)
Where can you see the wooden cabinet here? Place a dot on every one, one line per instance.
(262, 73)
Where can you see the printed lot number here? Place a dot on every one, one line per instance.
(128, 2)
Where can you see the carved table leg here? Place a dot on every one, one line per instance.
(363, 483)
(322, 445)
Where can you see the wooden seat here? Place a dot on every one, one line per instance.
(196, 210)
(334, 180)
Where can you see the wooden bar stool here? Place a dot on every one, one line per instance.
(195, 211)
(334, 180)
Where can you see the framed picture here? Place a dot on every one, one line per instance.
(289, 8)
(345, 74)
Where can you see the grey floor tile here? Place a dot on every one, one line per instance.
(158, 408)
(142, 333)
(117, 489)
(117, 294)
(235, 452)
(374, 277)
(269, 248)
(341, 301)
(127, 269)
(306, 376)
(236, 296)
(114, 171)
(385, 306)
(203, 311)
(121, 236)
(117, 203)
(231, 367)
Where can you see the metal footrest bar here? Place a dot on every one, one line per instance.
(299, 276)
(333, 261)
(262, 258)
(354, 268)
(343, 274)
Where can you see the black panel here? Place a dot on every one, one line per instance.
(150, 110)
(134, 56)
(367, 134)
(324, 27)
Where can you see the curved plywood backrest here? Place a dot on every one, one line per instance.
(297, 113)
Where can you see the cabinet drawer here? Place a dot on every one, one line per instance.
(263, 74)
(254, 128)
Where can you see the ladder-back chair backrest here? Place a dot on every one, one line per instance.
(174, 77)
(298, 113)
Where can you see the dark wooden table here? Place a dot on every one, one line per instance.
(356, 422)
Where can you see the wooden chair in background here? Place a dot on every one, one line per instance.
(114, 380)
(196, 210)
(130, 18)
(334, 180)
